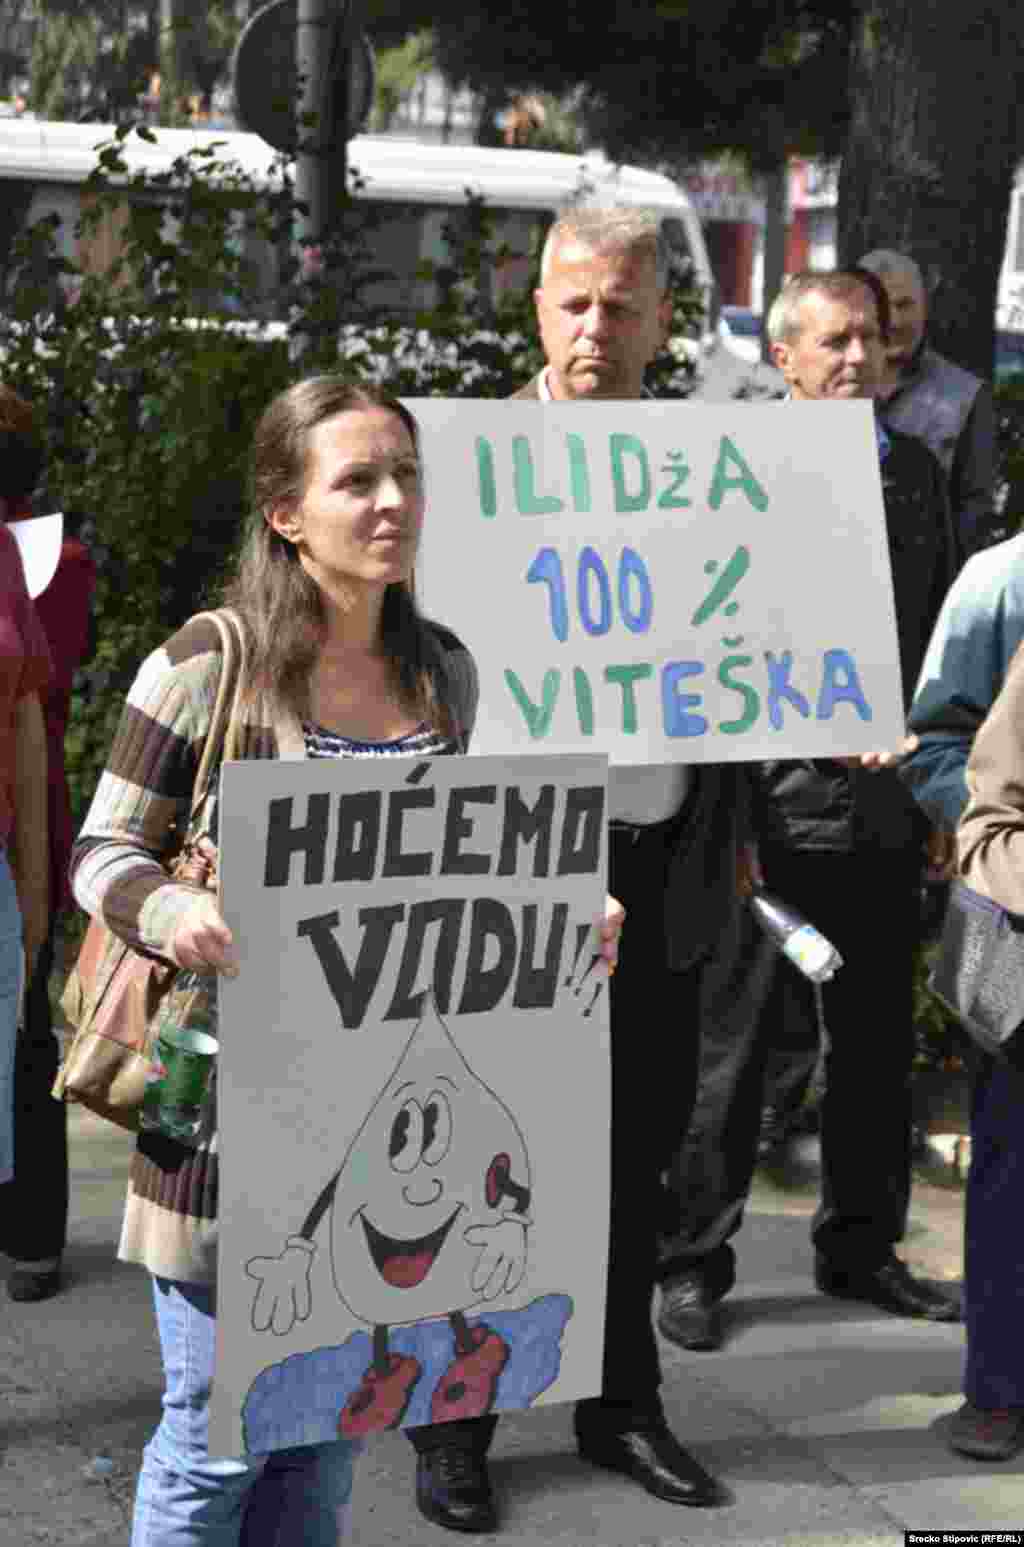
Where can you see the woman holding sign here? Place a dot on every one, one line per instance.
(339, 664)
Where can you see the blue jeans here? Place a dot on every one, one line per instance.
(10, 984)
(291, 1498)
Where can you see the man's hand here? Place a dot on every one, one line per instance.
(749, 875)
(940, 856)
(609, 930)
(873, 761)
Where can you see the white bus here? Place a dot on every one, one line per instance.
(415, 188)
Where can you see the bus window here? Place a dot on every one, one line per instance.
(400, 238)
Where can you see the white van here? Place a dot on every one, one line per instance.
(415, 187)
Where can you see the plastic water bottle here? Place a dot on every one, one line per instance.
(805, 946)
(183, 1058)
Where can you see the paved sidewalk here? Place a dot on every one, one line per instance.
(826, 1419)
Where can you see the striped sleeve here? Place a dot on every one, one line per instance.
(142, 802)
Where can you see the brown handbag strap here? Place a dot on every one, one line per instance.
(223, 736)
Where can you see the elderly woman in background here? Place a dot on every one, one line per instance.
(24, 888)
(990, 843)
(34, 1204)
(340, 664)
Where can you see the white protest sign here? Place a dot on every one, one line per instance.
(39, 541)
(665, 582)
(413, 1094)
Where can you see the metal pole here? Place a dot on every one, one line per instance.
(776, 216)
(321, 60)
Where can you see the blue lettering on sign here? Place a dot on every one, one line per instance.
(781, 690)
(591, 568)
(633, 576)
(676, 707)
(547, 567)
(840, 684)
(634, 592)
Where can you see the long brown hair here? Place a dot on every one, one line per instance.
(280, 604)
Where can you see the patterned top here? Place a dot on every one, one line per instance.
(424, 741)
(141, 803)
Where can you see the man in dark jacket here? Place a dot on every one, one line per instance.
(844, 845)
(676, 849)
(930, 397)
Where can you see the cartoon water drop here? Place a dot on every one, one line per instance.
(429, 1217)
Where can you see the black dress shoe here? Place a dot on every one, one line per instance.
(454, 1490)
(691, 1316)
(654, 1458)
(892, 1287)
(26, 1283)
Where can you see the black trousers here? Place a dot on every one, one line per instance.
(34, 1205)
(867, 904)
(653, 1070)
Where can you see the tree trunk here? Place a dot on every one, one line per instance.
(183, 28)
(776, 214)
(933, 147)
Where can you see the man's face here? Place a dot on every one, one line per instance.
(601, 319)
(908, 311)
(836, 351)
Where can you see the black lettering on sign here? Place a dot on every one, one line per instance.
(284, 840)
(351, 989)
(355, 855)
(458, 826)
(580, 848)
(396, 861)
(406, 1000)
(527, 824)
(536, 986)
(491, 928)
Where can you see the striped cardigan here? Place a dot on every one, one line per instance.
(141, 804)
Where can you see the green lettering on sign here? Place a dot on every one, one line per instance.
(622, 446)
(537, 716)
(528, 501)
(733, 472)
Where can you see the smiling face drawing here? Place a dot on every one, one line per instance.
(437, 1154)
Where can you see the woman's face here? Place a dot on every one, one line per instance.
(361, 511)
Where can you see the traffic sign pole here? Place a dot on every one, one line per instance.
(322, 40)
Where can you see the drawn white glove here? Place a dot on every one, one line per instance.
(284, 1295)
(502, 1260)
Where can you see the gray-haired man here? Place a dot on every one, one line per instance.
(927, 396)
(845, 846)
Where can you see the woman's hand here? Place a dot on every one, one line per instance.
(610, 928)
(202, 939)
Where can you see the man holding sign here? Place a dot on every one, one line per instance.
(843, 843)
(677, 837)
